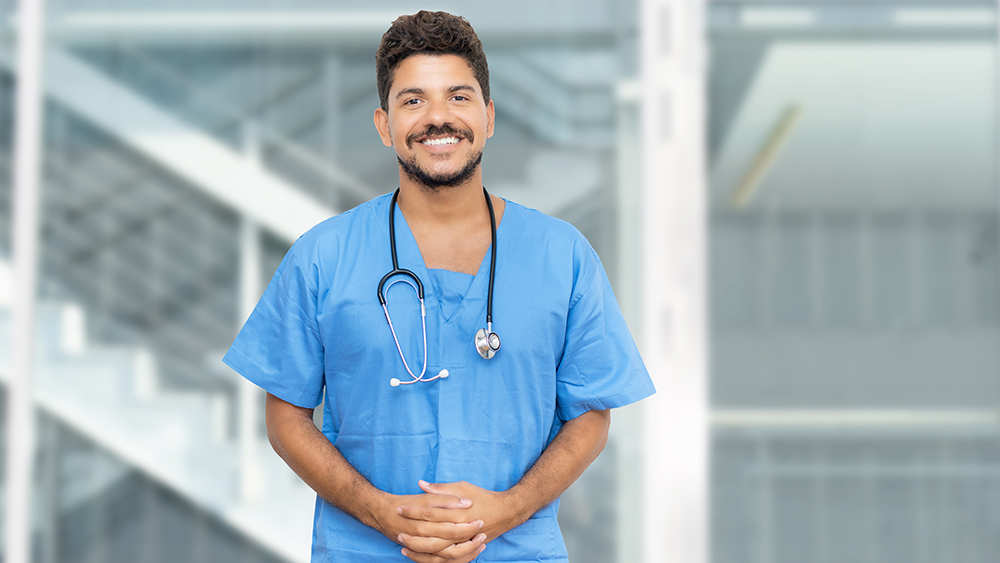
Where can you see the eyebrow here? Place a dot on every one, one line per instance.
(405, 91)
(460, 87)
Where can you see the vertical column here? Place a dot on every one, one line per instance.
(817, 271)
(867, 271)
(49, 475)
(27, 172)
(331, 115)
(821, 526)
(251, 480)
(996, 90)
(673, 335)
(627, 430)
(764, 476)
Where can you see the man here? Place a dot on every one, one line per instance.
(433, 446)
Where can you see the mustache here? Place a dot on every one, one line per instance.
(434, 130)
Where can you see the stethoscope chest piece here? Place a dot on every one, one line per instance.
(487, 343)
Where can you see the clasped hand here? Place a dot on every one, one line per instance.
(449, 523)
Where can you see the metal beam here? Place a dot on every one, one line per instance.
(588, 28)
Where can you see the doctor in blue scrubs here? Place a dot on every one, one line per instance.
(442, 440)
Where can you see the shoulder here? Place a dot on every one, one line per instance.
(544, 228)
(565, 249)
(347, 223)
(316, 256)
(331, 236)
(557, 237)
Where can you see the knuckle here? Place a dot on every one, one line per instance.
(453, 552)
(420, 557)
(428, 545)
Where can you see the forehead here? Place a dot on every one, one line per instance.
(433, 71)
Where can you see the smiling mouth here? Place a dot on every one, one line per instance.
(436, 136)
(440, 141)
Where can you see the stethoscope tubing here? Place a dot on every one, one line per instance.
(493, 261)
(423, 323)
(418, 286)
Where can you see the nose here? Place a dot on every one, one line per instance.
(438, 112)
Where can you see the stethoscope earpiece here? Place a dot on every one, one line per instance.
(395, 382)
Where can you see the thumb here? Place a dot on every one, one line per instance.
(431, 488)
(441, 489)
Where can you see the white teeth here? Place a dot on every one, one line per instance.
(441, 141)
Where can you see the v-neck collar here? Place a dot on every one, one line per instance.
(480, 285)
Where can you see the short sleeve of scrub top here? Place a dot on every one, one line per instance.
(600, 367)
(279, 347)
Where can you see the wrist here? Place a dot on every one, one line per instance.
(516, 506)
(379, 511)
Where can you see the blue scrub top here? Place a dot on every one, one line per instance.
(319, 332)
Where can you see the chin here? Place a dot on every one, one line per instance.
(437, 181)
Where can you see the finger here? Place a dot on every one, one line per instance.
(448, 549)
(424, 544)
(439, 501)
(434, 514)
(470, 557)
(442, 488)
(423, 557)
(434, 558)
(462, 550)
(454, 533)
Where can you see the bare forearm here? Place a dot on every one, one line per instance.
(576, 445)
(318, 462)
(574, 448)
(321, 465)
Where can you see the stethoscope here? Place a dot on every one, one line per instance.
(486, 341)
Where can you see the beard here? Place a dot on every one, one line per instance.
(438, 181)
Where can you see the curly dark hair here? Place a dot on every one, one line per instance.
(435, 33)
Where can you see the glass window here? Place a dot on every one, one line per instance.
(854, 275)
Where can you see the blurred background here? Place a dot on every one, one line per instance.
(843, 307)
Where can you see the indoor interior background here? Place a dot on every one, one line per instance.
(852, 235)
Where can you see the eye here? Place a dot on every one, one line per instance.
(459, 98)
(411, 102)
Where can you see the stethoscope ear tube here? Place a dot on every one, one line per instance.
(396, 270)
(399, 272)
(486, 341)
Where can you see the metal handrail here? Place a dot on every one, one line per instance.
(303, 155)
(132, 272)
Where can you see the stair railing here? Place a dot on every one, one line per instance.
(270, 139)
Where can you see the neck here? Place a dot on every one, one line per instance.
(442, 206)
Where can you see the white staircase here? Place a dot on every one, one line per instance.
(110, 395)
(234, 179)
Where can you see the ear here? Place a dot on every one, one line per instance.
(490, 117)
(382, 126)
